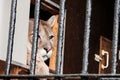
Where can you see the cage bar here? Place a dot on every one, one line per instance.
(35, 37)
(63, 76)
(60, 47)
(115, 37)
(52, 3)
(11, 36)
(86, 37)
(60, 37)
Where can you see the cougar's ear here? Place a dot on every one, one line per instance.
(51, 21)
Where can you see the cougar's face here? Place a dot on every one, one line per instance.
(45, 38)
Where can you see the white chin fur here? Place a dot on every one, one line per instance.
(44, 54)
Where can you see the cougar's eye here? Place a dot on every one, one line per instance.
(50, 37)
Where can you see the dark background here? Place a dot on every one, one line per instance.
(101, 24)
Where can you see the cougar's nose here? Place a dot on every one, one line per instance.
(47, 49)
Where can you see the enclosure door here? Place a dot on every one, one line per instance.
(105, 55)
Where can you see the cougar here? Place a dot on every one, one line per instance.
(45, 44)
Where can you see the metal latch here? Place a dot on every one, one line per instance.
(97, 58)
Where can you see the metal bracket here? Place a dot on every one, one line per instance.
(97, 58)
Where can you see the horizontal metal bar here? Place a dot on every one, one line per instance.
(52, 3)
(65, 76)
(107, 78)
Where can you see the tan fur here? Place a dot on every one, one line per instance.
(52, 64)
(45, 42)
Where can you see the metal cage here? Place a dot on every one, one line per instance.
(84, 75)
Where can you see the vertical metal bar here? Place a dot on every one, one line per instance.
(60, 37)
(115, 37)
(35, 37)
(11, 36)
(64, 28)
(86, 37)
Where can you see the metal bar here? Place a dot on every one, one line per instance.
(11, 36)
(65, 76)
(62, 63)
(86, 37)
(60, 37)
(52, 3)
(115, 37)
(35, 37)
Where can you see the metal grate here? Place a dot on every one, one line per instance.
(84, 74)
